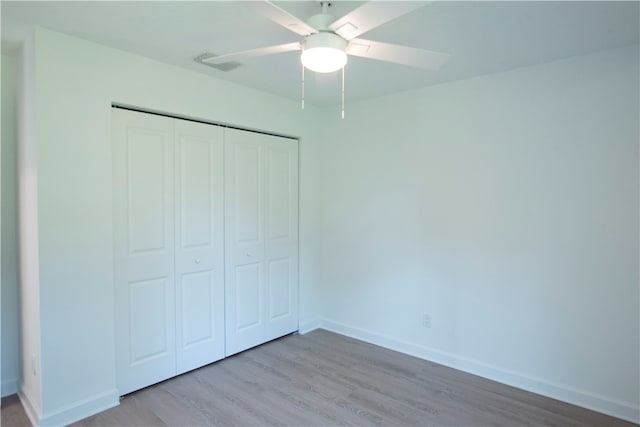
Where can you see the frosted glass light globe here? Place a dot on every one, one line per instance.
(324, 53)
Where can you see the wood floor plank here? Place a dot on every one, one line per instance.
(325, 379)
(301, 388)
(172, 411)
(12, 413)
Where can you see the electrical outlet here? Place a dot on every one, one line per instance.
(426, 321)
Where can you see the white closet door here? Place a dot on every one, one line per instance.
(244, 249)
(281, 237)
(199, 229)
(143, 249)
(261, 238)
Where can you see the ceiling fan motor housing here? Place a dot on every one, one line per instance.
(321, 21)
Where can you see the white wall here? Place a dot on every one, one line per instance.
(506, 208)
(76, 83)
(9, 218)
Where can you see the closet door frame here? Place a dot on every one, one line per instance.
(182, 303)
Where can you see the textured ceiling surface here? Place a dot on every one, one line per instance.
(482, 37)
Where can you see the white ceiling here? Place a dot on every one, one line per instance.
(482, 37)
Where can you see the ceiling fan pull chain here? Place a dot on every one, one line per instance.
(343, 93)
(303, 87)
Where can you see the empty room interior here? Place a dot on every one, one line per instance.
(313, 213)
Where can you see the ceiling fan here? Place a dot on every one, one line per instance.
(327, 40)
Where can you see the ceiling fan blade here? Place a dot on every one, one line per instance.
(404, 55)
(251, 53)
(371, 15)
(282, 17)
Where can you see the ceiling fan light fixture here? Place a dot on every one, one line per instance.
(324, 53)
(324, 59)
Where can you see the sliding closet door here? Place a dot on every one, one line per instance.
(244, 249)
(143, 249)
(199, 231)
(281, 237)
(205, 244)
(261, 238)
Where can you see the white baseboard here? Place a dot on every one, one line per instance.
(624, 410)
(30, 407)
(71, 413)
(9, 387)
(305, 327)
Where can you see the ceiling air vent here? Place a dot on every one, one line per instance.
(225, 66)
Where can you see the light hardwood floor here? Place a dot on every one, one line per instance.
(325, 379)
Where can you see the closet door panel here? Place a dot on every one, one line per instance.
(199, 244)
(244, 249)
(281, 242)
(261, 214)
(247, 289)
(280, 285)
(148, 310)
(143, 249)
(247, 194)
